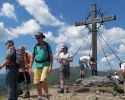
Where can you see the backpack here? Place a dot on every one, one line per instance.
(35, 53)
(27, 57)
(19, 59)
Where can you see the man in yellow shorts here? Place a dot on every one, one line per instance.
(43, 60)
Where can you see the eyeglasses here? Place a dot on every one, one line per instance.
(22, 49)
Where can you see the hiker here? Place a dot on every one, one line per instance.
(43, 60)
(11, 79)
(24, 70)
(116, 79)
(86, 61)
(64, 58)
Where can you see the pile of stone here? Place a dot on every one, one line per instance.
(95, 81)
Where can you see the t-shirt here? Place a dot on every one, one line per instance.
(123, 66)
(85, 59)
(63, 56)
(41, 53)
(11, 54)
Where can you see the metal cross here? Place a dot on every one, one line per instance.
(94, 22)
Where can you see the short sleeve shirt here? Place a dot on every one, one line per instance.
(11, 54)
(64, 56)
(41, 53)
(85, 59)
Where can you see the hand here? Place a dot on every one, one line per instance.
(49, 69)
(30, 65)
(59, 59)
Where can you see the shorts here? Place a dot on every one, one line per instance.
(24, 77)
(40, 74)
(65, 71)
(82, 66)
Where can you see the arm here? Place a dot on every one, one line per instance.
(59, 59)
(6, 62)
(31, 61)
(51, 63)
(69, 59)
(27, 64)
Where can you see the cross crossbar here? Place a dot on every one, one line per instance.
(97, 20)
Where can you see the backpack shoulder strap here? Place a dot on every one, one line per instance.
(35, 50)
(47, 47)
(27, 57)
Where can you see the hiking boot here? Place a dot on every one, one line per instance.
(60, 90)
(20, 92)
(40, 98)
(82, 76)
(47, 97)
(67, 90)
(26, 95)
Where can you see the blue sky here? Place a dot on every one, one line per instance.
(20, 19)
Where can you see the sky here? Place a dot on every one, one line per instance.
(21, 19)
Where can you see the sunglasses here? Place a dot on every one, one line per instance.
(38, 38)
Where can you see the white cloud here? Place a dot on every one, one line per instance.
(104, 59)
(103, 64)
(114, 35)
(71, 36)
(121, 49)
(49, 36)
(8, 11)
(28, 27)
(41, 12)
(5, 34)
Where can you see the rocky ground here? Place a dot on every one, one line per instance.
(80, 94)
(92, 88)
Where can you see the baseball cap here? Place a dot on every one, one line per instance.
(10, 41)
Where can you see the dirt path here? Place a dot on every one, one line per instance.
(80, 95)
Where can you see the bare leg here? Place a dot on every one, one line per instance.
(62, 83)
(67, 82)
(45, 86)
(39, 89)
(82, 73)
(67, 85)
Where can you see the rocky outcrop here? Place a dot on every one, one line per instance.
(94, 81)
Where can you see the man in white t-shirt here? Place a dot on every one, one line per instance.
(64, 58)
(86, 61)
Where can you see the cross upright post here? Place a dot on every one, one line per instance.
(94, 22)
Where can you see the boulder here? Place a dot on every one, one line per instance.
(95, 81)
